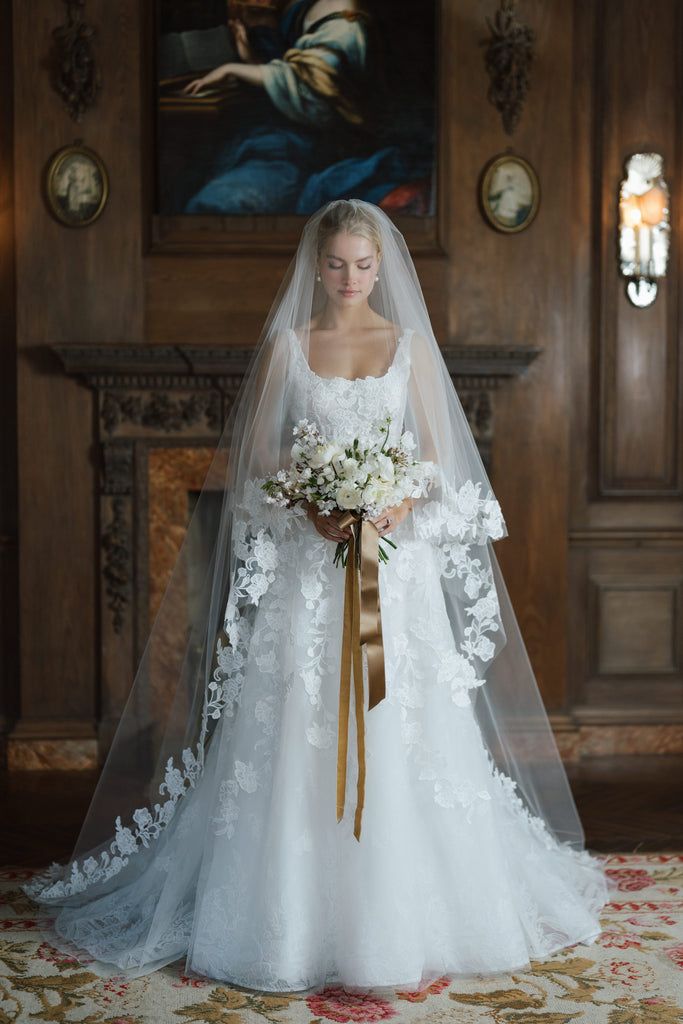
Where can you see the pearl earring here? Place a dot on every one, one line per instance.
(318, 278)
(376, 277)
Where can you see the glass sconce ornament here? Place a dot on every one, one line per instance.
(643, 227)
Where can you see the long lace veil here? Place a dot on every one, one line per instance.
(190, 678)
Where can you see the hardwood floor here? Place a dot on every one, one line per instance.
(626, 804)
(631, 803)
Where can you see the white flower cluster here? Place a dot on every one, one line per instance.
(361, 476)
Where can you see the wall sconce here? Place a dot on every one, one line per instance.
(643, 227)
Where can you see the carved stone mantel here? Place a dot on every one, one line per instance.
(193, 386)
(161, 409)
(485, 362)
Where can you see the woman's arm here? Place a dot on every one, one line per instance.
(251, 73)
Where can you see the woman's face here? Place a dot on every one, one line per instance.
(348, 265)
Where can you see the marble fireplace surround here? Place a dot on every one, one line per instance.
(159, 413)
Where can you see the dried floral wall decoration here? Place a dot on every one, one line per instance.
(75, 75)
(508, 58)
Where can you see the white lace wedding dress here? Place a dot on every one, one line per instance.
(253, 880)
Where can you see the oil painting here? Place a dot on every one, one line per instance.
(275, 107)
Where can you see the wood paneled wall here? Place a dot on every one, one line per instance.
(72, 286)
(626, 579)
(586, 456)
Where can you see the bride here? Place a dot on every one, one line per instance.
(236, 825)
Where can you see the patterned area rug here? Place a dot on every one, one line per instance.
(632, 975)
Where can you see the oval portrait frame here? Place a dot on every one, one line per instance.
(87, 192)
(520, 172)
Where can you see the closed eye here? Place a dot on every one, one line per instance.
(332, 267)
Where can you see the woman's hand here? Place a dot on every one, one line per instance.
(391, 517)
(224, 71)
(327, 525)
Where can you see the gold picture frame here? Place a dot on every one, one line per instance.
(168, 229)
(76, 185)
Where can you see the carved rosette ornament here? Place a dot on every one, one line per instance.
(508, 59)
(75, 75)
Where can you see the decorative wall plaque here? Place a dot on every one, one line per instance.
(74, 73)
(508, 59)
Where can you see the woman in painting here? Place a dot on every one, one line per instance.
(324, 126)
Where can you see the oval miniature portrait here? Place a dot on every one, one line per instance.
(509, 193)
(76, 185)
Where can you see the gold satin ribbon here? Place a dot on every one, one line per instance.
(362, 625)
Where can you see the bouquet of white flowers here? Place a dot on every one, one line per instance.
(362, 477)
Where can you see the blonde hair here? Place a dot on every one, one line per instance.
(344, 215)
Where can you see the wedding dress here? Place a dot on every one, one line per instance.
(255, 881)
(214, 833)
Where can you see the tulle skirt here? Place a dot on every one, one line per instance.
(255, 882)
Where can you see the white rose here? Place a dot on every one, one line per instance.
(322, 455)
(347, 495)
(385, 467)
(349, 469)
(376, 493)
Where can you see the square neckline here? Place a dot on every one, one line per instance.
(350, 380)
